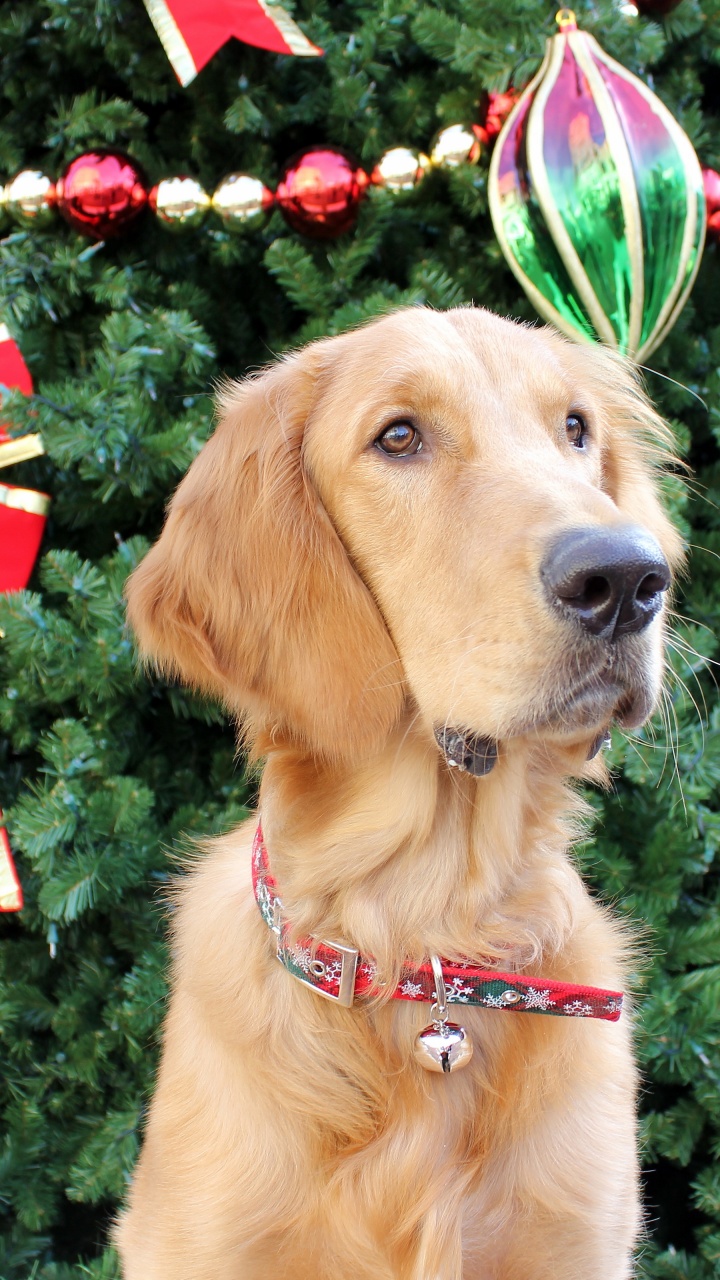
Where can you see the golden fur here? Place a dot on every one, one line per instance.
(344, 604)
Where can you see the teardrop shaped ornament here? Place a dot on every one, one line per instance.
(443, 1047)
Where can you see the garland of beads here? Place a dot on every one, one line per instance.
(103, 193)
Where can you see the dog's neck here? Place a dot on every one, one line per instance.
(402, 857)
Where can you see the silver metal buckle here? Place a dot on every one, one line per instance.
(348, 957)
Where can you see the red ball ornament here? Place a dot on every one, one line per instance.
(320, 190)
(497, 108)
(102, 193)
(711, 183)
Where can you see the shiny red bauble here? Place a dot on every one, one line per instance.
(320, 190)
(102, 194)
(497, 108)
(711, 183)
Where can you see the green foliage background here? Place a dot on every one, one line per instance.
(104, 772)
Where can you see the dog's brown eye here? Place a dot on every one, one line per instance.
(577, 431)
(399, 440)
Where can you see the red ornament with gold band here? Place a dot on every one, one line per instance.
(23, 513)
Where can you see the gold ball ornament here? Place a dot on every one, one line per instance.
(30, 197)
(400, 169)
(454, 146)
(242, 202)
(179, 203)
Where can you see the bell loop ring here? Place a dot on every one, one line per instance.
(443, 1046)
(439, 1009)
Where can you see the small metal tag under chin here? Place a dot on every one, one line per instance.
(467, 751)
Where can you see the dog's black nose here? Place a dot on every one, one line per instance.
(611, 578)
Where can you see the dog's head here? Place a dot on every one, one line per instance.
(447, 511)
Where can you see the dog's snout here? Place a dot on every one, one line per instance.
(612, 579)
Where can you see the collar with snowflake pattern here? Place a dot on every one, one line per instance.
(340, 973)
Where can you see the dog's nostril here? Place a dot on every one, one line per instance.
(650, 586)
(597, 591)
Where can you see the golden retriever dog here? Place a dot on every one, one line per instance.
(434, 541)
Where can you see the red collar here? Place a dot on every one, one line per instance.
(340, 973)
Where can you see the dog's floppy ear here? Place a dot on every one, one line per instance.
(249, 593)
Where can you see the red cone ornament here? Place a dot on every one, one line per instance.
(320, 191)
(102, 193)
(23, 513)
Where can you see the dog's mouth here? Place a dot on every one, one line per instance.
(614, 692)
(584, 707)
(620, 688)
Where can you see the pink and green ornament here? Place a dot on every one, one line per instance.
(596, 197)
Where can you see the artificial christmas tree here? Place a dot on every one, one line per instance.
(107, 774)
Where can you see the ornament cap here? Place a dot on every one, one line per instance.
(566, 20)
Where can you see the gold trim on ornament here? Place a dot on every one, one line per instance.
(680, 292)
(538, 175)
(539, 301)
(30, 500)
(12, 451)
(290, 31)
(172, 40)
(656, 338)
(695, 215)
(626, 174)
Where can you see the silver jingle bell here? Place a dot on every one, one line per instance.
(443, 1047)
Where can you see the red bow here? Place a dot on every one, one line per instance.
(193, 30)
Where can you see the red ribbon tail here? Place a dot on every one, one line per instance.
(191, 31)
